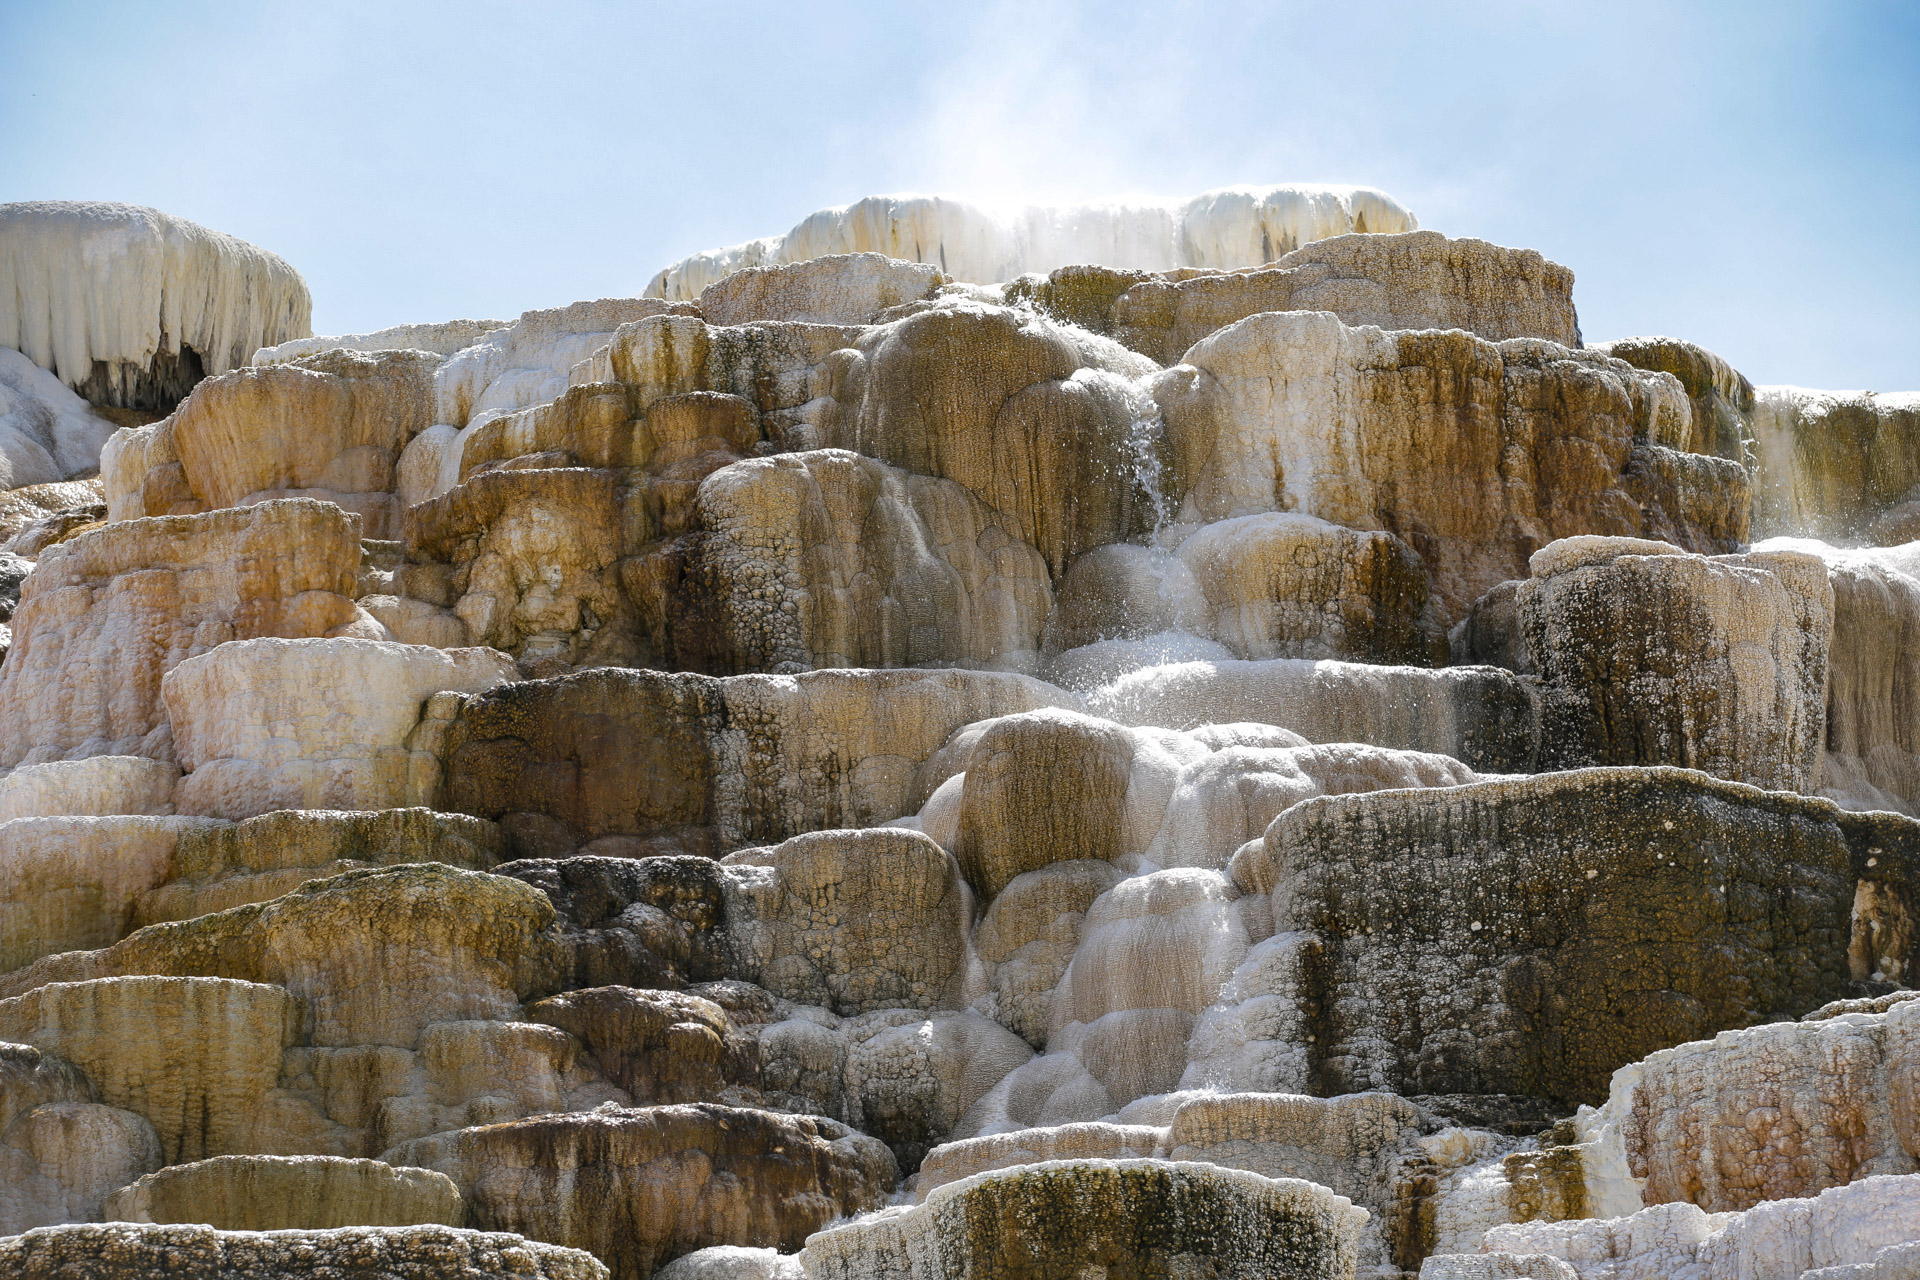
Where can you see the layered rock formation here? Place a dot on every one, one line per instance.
(1246, 749)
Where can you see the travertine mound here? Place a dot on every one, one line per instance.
(1038, 420)
(1252, 698)
(279, 1193)
(1869, 759)
(69, 884)
(850, 920)
(373, 744)
(60, 1150)
(103, 617)
(660, 1046)
(1649, 657)
(1515, 901)
(72, 884)
(22, 508)
(1229, 228)
(450, 944)
(443, 339)
(827, 559)
(330, 426)
(1290, 586)
(639, 1187)
(1475, 453)
(653, 755)
(1836, 1100)
(833, 289)
(216, 865)
(1480, 715)
(1060, 1219)
(1836, 465)
(194, 1056)
(1844, 1227)
(1410, 280)
(127, 1251)
(132, 306)
(1356, 1146)
(1722, 398)
(82, 788)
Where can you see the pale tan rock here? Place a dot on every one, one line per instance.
(1777, 1111)
(360, 1099)
(1495, 1266)
(1772, 1241)
(731, 1262)
(660, 1046)
(73, 884)
(441, 338)
(278, 1193)
(851, 920)
(836, 289)
(574, 552)
(1475, 453)
(61, 1159)
(910, 1080)
(1355, 1145)
(194, 1056)
(1722, 398)
(1037, 420)
(1089, 1140)
(450, 945)
(329, 426)
(134, 1251)
(1870, 759)
(30, 1078)
(60, 1151)
(1166, 940)
(1063, 1216)
(1042, 787)
(827, 559)
(255, 732)
(1715, 663)
(96, 785)
(527, 362)
(1412, 280)
(532, 558)
(1229, 228)
(1291, 586)
(639, 1187)
(105, 616)
(1231, 796)
(216, 865)
(1029, 934)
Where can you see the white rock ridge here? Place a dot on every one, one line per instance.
(130, 306)
(1227, 229)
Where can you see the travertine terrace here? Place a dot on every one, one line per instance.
(1217, 739)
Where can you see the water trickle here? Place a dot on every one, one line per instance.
(1149, 471)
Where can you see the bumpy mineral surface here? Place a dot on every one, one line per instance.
(1208, 740)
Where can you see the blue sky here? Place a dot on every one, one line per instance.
(1746, 175)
